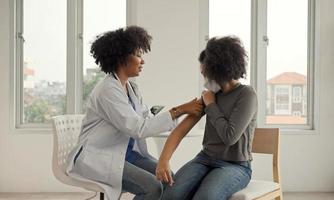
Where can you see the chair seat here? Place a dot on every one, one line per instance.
(255, 189)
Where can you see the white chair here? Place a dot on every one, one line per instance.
(266, 141)
(66, 129)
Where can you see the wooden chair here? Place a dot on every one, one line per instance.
(266, 141)
(66, 129)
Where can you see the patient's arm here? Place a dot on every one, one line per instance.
(163, 172)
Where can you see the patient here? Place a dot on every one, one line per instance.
(223, 166)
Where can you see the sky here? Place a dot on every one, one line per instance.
(45, 38)
(45, 51)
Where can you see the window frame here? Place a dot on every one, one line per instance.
(258, 61)
(74, 63)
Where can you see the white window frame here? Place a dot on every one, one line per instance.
(258, 60)
(260, 26)
(74, 62)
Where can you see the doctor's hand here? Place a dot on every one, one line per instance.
(193, 107)
(163, 172)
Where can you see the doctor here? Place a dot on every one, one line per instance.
(111, 149)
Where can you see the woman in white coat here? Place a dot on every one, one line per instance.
(112, 150)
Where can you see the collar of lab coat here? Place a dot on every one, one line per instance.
(132, 90)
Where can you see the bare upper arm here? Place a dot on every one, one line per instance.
(186, 125)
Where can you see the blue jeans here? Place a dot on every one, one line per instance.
(208, 178)
(139, 179)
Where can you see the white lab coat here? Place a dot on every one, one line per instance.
(107, 126)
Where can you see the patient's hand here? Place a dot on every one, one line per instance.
(208, 97)
(163, 172)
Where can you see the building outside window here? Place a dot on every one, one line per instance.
(286, 100)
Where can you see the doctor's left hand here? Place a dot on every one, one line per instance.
(193, 107)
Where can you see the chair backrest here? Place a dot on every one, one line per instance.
(66, 129)
(266, 141)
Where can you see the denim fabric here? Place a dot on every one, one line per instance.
(129, 151)
(208, 178)
(133, 157)
(139, 179)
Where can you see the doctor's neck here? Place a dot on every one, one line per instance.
(123, 77)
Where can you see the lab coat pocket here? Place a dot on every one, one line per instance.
(95, 166)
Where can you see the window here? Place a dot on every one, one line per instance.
(296, 113)
(296, 94)
(287, 58)
(41, 60)
(54, 72)
(281, 53)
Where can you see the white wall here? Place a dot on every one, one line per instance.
(170, 77)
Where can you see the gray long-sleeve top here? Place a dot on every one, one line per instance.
(230, 124)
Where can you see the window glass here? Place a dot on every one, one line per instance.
(44, 60)
(99, 16)
(287, 62)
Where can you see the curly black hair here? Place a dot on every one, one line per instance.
(225, 59)
(201, 57)
(112, 48)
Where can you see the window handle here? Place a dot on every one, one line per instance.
(20, 36)
(265, 39)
